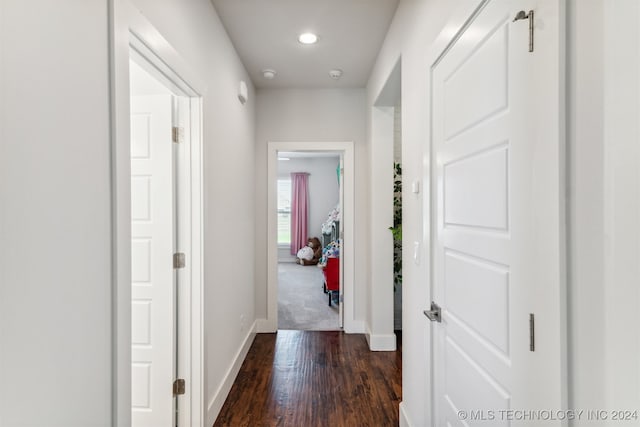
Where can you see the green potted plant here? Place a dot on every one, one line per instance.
(396, 230)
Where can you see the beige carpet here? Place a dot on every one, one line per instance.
(302, 305)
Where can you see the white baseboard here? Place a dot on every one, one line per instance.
(265, 326)
(380, 342)
(404, 418)
(215, 404)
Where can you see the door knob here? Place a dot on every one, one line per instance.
(435, 314)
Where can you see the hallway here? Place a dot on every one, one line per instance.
(303, 378)
(568, 339)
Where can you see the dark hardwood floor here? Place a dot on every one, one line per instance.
(309, 379)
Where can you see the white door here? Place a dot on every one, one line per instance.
(153, 350)
(497, 224)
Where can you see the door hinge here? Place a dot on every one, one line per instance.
(177, 134)
(532, 332)
(523, 15)
(178, 387)
(179, 260)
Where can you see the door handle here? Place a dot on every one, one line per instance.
(435, 314)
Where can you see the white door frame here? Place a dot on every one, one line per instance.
(347, 226)
(380, 329)
(132, 32)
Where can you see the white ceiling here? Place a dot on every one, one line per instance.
(265, 34)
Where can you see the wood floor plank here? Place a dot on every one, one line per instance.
(314, 379)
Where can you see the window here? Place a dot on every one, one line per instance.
(284, 211)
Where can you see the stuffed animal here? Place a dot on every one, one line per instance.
(332, 250)
(310, 254)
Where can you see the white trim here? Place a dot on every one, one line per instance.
(381, 321)
(264, 326)
(381, 208)
(404, 416)
(270, 324)
(129, 27)
(215, 404)
(380, 342)
(191, 278)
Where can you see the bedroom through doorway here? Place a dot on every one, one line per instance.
(309, 211)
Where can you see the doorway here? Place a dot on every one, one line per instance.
(159, 195)
(154, 231)
(346, 304)
(307, 259)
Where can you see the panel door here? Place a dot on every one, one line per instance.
(152, 246)
(497, 225)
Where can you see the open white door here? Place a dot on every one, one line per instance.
(497, 219)
(153, 351)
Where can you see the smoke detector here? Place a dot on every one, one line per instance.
(269, 74)
(335, 74)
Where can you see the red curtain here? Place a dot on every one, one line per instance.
(299, 210)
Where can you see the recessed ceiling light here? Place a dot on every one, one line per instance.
(268, 73)
(307, 38)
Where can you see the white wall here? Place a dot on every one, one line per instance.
(603, 61)
(379, 326)
(382, 138)
(604, 96)
(323, 190)
(315, 115)
(622, 202)
(55, 193)
(397, 132)
(586, 242)
(55, 261)
(195, 31)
